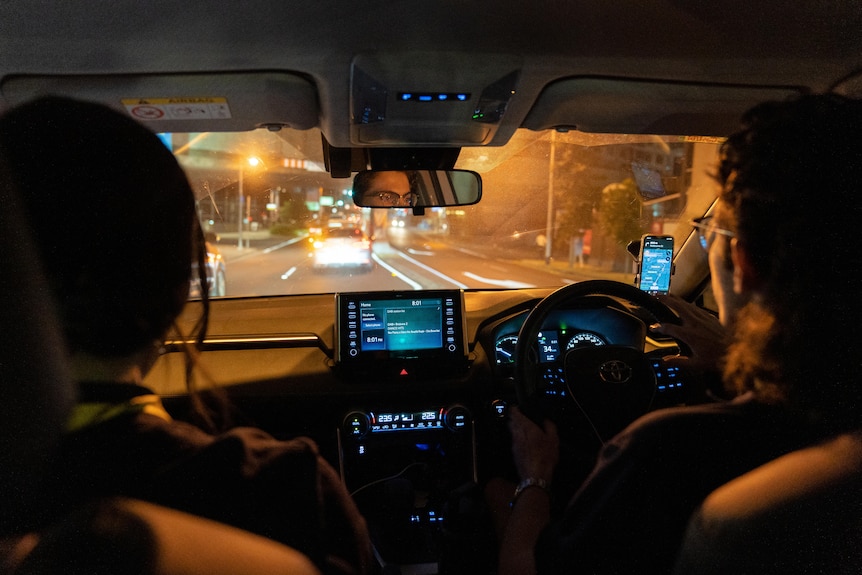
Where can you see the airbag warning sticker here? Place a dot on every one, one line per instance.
(155, 109)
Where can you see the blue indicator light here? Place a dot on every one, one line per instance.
(433, 96)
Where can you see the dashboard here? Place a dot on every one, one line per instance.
(406, 392)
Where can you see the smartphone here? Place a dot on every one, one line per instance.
(656, 265)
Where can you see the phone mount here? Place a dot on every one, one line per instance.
(634, 250)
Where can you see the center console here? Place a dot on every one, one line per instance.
(408, 461)
(408, 471)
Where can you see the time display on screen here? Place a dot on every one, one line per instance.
(375, 326)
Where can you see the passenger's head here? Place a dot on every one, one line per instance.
(113, 217)
(791, 180)
(384, 189)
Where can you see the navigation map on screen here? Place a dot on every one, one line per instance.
(656, 264)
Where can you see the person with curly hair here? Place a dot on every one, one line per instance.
(784, 257)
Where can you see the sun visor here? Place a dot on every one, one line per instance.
(608, 105)
(850, 85)
(227, 102)
(422, 99)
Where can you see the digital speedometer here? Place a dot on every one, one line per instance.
(584, 339)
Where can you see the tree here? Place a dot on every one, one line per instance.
(574, 194)
(620, 212)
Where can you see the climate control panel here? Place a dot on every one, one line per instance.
(359, 424)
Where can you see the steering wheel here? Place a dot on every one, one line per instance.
(602, 388)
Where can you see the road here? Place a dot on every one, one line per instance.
(275, 266)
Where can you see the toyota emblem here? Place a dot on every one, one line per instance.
(615, 371)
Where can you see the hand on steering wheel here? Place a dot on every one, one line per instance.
(607, 386)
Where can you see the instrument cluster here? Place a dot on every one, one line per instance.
(565, 330)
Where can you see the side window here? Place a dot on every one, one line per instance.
(707, 300)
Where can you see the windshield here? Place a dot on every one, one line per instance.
(556, 208)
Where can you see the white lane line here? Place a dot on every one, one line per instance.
(396, 273)
(501, 283)
(432, 270)
(472, 253)
(288, 273)
(419, 252)
(284, 244)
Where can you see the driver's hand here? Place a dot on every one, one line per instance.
(699, 330)
(536, 449)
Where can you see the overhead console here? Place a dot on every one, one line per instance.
(401, 335)
(420, 99)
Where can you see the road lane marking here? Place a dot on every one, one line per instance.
(288, 273)
(283, 244)
(472, 253)
(432, 270)
(501, 283)
(396, 273)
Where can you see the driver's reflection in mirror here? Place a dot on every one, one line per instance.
(389, 189)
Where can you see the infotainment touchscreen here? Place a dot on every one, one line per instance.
(400, 329)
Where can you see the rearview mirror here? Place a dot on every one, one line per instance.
(416, 188)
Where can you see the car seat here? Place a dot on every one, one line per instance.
(801, 513)
(36, 392)
(138, 538)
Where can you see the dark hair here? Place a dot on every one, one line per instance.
(361, 182)
(791, 180)
(114, 220)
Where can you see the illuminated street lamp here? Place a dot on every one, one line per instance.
(253, 162)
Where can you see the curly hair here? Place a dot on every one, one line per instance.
(791, 183)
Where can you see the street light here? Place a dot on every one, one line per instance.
(253, 162)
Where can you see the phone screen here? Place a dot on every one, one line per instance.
(656, 264)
